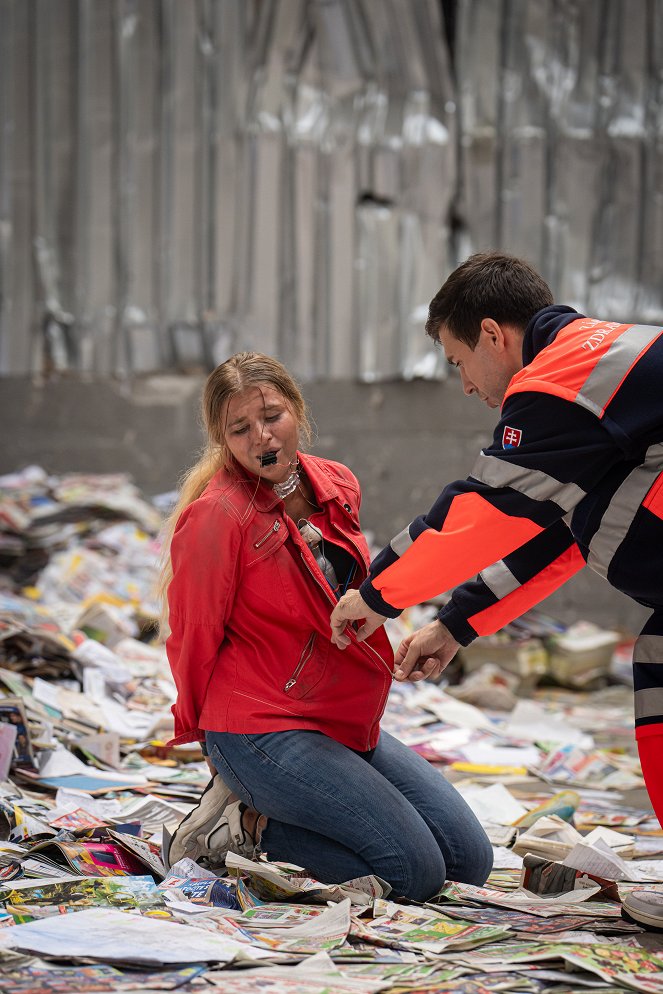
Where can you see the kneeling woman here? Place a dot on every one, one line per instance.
(265, 538)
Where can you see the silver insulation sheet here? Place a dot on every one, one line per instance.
(180, 179)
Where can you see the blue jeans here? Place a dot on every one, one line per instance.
(343, 814)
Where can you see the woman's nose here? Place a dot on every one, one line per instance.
(261, 431)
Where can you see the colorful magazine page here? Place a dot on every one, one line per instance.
(140, 852)
(90, 859)
(93, 979)
(138, 893)
(12, 712)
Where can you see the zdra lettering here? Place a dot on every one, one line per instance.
(599, 337)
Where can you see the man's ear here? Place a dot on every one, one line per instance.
(495, 334)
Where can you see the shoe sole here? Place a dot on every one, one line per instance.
(651, 922)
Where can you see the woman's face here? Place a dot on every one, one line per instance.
(258, 421)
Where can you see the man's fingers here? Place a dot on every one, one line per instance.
(369, 626)
(338, 621)
(352, 607)
(429, 665)
(424, 670)
(402, 650)
(425, 653)
(409, 661)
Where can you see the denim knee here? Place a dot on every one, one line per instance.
(478, 868)
(425, 872)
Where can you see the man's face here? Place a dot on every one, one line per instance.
(487, 369)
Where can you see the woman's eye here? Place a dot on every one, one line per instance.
(273, 417)
(241, 431)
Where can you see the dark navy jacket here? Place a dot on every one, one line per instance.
(574, 475)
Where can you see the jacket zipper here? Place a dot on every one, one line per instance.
(261, 541)
(363, 645)
(303, 660)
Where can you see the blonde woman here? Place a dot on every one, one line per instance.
(264, 541)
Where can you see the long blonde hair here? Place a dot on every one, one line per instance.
(236, 374)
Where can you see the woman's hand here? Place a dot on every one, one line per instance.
(353, 607)
(425, 653)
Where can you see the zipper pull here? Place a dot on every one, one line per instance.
(290, 684)
(275, 527)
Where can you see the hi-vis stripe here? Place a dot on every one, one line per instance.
(602, 383)
(649, 700)
(401, 543)
(618, 517)
(648, 649)
(495, 472)
(499, 579)
(586, 363)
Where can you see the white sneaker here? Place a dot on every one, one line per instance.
(213, 828)
(645, 908)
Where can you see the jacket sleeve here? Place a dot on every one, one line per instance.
(505, 590)
(513, 495)
(205, 558)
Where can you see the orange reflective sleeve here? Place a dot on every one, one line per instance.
(546, 455)
(524, 597)
(474, 534)
(507, 588)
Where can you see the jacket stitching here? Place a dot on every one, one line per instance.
(270, 704)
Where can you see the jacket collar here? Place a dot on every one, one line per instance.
(543, 328)
(264, 498)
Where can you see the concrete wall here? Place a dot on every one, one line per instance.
(403, 440)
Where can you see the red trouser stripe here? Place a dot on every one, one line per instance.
(650, 748)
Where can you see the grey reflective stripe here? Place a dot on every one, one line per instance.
(623, 507)
(401, 543)
(648, 649)
(610, 370)
(499, 579)
(533, 483)
(648, 703)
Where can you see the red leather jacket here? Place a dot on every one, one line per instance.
(250, 646)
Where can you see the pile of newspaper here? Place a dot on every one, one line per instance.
(88, 787)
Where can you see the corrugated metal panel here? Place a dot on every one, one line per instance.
(181, 180)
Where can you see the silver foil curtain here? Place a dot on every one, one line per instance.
(180, 179)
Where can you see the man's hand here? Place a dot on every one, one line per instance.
(352, 607)
(426, 653)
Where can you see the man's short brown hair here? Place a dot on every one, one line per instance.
(487, 285)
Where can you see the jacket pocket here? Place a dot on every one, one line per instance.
(310, 668)
(265, 542)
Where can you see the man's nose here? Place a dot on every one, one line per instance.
(468, 386)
